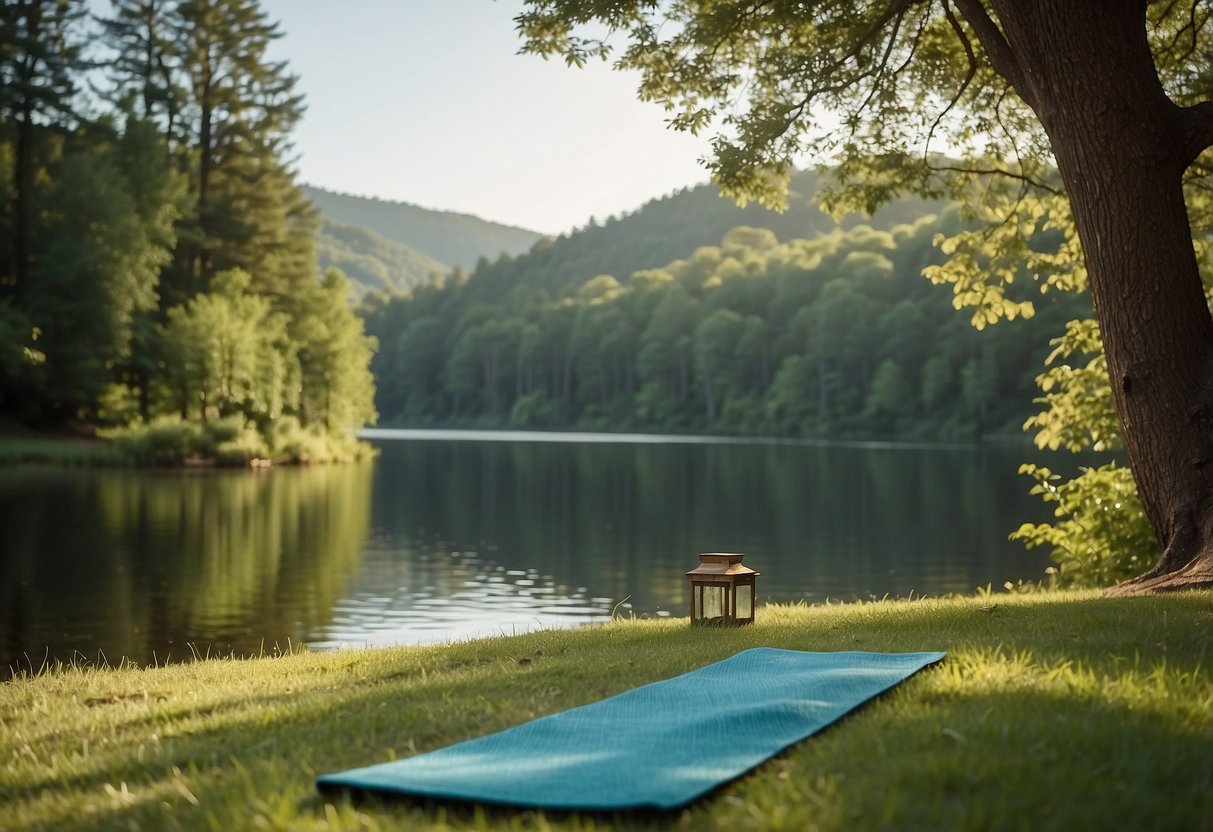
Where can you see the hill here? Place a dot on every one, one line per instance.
(451, 239)
(371, 261)
(674, 226)
(778, 325)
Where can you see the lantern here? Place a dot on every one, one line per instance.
(722, 590)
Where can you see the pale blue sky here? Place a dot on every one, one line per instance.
(426, 101)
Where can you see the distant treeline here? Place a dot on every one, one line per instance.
(839, 335)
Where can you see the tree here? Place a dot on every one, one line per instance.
(105, 231)
(141, 34)
(225, 353)
(1108, 91)
(39, 56)
(715, 349)
(665, 344)
(888, 397)
(337, 389)
(420, 350)
(239, 109)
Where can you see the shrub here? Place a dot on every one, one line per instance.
(1102, 535)
(165, 441)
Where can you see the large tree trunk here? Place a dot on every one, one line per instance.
(1122, 146)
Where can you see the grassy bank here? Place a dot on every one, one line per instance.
(173, 443)
(1057, 711)
(37, 450)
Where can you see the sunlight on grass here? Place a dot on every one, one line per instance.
(1061, 710)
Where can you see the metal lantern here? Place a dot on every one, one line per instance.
(722, 590)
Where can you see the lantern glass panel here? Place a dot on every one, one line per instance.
(745, 601)
(713, 602)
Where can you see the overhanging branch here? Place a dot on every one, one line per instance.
(1027, 180)
(1196, 131)
(998, 51)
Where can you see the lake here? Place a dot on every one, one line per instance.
(452, 535)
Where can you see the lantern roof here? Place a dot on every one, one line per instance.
(721, 565)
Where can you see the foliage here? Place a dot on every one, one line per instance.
(336, 388)
(871, 88)
(372, 262)
(168, 440)
(1102, 534)
(19, 355)
(232, 442)
(1114, 685)
(158, 260)
(27, 450)
(225, 351)
(831, 336)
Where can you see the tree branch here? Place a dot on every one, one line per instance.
(884, 59)
(1196, 130)
(998, 51)
(896, 10)
(970, 72)
(1028, 181)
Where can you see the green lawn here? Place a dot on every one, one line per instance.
(1052, 711)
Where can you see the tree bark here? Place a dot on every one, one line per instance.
(1122, 145)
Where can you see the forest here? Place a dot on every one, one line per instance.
(158, 273)
(837, 335)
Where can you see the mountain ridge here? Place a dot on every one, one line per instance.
(451, 238)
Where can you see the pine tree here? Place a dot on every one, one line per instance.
(39, 57)
(240, 108)
(145, 67)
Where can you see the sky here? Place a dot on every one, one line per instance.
(428, 102)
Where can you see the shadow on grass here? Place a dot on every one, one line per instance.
(925, 755)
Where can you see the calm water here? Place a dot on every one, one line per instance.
(444, 538)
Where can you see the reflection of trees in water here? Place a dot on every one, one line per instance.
(131, 562)
(151, 562)
(629, 519)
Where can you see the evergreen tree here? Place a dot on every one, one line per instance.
(239, 110)
(144, 71)
(39, 63)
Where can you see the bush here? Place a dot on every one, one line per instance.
(227, 429)
(233, 442)
(242, 449)
(165, 441)
(1102, 535)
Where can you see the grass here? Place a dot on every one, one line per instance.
(36, 450)
(1052, 711)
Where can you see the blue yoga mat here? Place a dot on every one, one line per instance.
(660, 746)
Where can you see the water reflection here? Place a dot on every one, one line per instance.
(143, 565)
(441, 595)
(625, 520)
(442, 540)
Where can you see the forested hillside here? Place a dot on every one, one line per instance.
(448, 237)
(671, 227)
(836, 335)
(372, 262)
